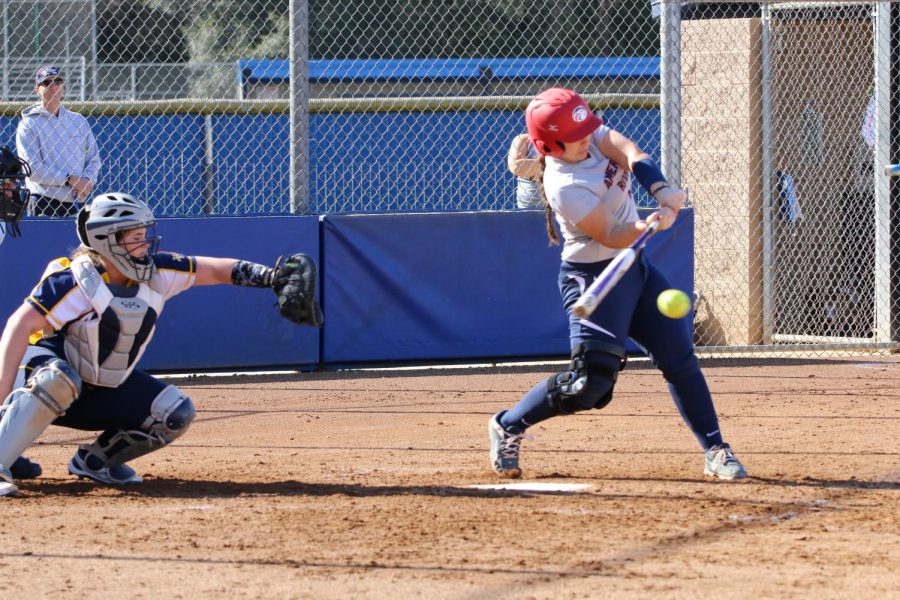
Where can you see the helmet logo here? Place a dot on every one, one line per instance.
(579, 114)
(553, 127)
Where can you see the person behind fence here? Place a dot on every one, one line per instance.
(586, 174)
(523, 162)
(68, 353)
(59, 146)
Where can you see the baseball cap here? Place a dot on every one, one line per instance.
(45, 72)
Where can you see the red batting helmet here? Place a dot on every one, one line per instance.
(558, 116)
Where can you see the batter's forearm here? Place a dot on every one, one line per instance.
(622, 235)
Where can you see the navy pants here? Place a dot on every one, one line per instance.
(102, 408)
(42, 206)
(630, 311)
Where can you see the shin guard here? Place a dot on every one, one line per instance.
(29, 410)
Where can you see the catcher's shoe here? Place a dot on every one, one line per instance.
(22, 468)
(87, 465)
(504, 449)
(7, 485)
(722, 463)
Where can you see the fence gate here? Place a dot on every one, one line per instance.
(784, 117)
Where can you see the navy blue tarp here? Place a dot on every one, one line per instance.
(451, 286)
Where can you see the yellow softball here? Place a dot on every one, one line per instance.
(673, 303)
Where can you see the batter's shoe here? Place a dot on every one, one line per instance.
(722, 463)
(90, 466)
(22, 468)
(7, 485)
(504, 449)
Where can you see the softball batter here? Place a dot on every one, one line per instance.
(586, 176)
(68, 353)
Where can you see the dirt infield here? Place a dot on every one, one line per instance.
(337, 485)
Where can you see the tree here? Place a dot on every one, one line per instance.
(129, 31)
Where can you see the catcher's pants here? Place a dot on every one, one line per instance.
(100, 408)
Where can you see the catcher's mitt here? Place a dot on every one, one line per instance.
(295, 285)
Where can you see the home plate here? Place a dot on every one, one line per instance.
(535, 486)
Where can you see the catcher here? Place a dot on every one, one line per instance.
(14, 198)
(68, 353)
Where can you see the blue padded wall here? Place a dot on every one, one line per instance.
(404, 287)
(455, 285)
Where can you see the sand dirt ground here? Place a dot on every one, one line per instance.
(338, 485)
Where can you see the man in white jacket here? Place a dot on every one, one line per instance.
(59, 146)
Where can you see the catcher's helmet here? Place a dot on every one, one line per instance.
(13, 193)
(557, 116)
(107, 215)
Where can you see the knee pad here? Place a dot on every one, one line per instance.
(590, 380)
(171, 413)
(28, 410)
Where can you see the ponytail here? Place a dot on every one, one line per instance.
(548, 210)
(92, 254)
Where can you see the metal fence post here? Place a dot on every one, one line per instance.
(299, 106)
(768, 258)
(670, 90)
(882, 62)
(94, 49)
(5, 51)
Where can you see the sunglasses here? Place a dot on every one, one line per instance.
(48, 82)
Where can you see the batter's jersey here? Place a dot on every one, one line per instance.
(61, 301)
(575, 189)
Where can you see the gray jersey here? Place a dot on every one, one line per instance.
(574, 189)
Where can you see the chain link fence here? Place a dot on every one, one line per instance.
(401, 106)
(776, 116)
(785, 123)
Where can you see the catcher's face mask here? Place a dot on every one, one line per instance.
(122, 229)
(133, 251)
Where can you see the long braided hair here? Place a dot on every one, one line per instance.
(548, 210)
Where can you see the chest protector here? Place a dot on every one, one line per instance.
(104, 346)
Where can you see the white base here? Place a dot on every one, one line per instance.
(533, 486)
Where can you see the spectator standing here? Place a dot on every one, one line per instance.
(524, 162)
(59, 146)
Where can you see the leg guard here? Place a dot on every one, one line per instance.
(170, 415)
(590, 381)
(28, 410)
